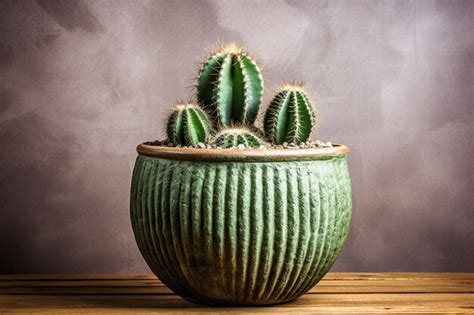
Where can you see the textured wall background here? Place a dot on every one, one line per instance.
(83, 82)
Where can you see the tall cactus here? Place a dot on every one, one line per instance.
(290, 117)
(235, 137)
(188, 125)
(230, 86)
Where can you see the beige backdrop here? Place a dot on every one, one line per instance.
(83, 82)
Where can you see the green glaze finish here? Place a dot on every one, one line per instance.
(290, 117)
(240, 233)
(230, 87)
(237, 137)
(188, 125)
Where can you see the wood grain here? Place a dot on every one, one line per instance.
(336, 293)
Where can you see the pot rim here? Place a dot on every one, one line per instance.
(241, 155)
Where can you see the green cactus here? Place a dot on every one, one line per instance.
(188, 125)
(237, 137)
(290, 117)
(230, 86)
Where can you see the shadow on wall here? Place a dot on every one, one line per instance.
(54, 212)
(71, 15)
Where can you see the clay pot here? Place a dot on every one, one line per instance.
(240, 227)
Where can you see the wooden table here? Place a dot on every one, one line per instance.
(336, 293)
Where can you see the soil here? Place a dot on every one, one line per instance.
(305, 145)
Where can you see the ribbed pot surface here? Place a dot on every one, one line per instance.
(242, 233)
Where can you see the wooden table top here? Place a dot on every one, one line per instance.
(336, 293)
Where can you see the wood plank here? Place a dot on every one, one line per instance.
(153, 283)
(76, 277)
(336, 293)
(311, 310)
(389, 276)
(156, 282)
(156, 287)
(334, 303)
(85, 283)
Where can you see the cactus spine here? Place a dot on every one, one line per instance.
(237, 137)
(290, 117)
(188, 125)
(230, 86)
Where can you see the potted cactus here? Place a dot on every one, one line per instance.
(225, 213)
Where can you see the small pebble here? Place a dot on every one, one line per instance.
(292, 144)
(241, 146)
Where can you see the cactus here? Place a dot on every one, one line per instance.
(237, 137)
(230, 86)
(290, 117)
(188, 125)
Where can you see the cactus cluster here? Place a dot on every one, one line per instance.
(237, 137)
(230, 86)
(188, 125)
(290, 116)
(229, 93)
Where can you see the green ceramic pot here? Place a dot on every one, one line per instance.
(240, 227)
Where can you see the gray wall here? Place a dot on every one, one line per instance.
(83, 82)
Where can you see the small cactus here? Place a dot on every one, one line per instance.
(290, 117)
(230, 86)
(188, 125)
(237, 138)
